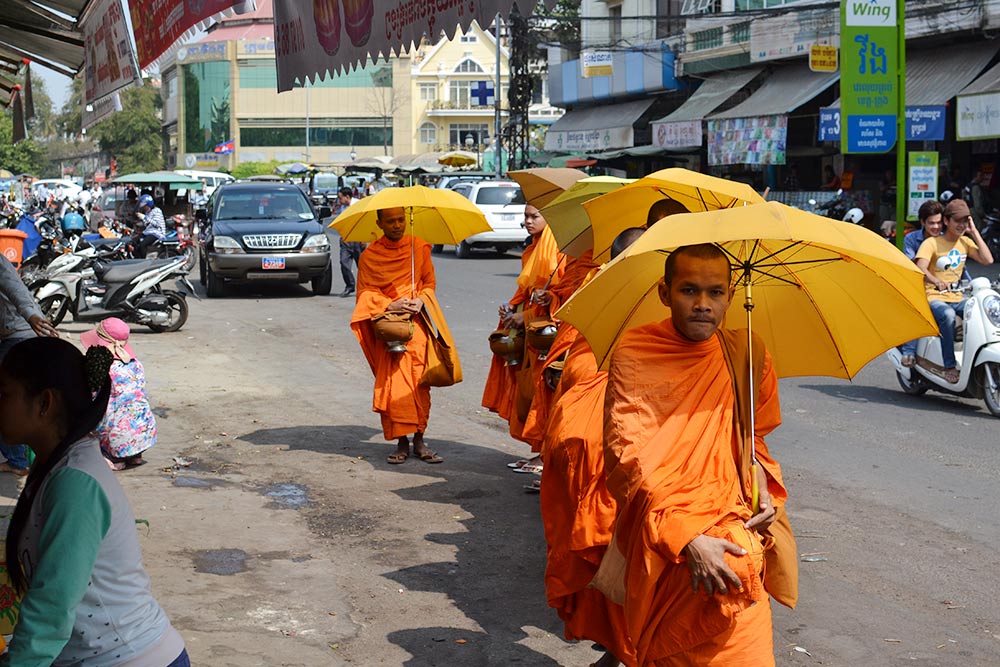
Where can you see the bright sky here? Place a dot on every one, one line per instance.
(58, 86)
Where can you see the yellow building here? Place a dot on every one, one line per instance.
(453, 84)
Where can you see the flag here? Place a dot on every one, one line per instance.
(19, 132)
(29, 100)
(226, 146)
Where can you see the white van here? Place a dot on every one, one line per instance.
(211, 179)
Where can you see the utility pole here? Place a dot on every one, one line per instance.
(498, 149)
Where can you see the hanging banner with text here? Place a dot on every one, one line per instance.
(109, 62)
(158, 24)
(868, 87)
(922, 181)
(314, 38)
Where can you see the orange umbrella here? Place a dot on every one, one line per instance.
(543, 184)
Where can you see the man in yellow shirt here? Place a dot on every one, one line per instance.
(960, 240)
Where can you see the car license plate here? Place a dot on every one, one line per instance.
(272, 263)
(507, 217)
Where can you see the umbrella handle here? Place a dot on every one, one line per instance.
(754, 488)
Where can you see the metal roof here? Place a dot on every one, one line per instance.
(46, 32)
(711, 94)
(989, 82)
(600, 117)
(785, 90)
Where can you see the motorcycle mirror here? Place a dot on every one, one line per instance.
(325, 212)
(943, 263)
(812, 202)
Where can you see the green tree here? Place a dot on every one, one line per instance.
(561, 25)
(247, 169)
(70, 119)
(44, 126)
(26, 156)
(132, 135)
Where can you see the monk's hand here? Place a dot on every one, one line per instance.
(707, 562)
(765, 513)
(415, 305)
(397, 305)
(514, 321)
(541, 297)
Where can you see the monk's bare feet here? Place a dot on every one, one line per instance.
(402, 451)
(607, 660)
(421, 452)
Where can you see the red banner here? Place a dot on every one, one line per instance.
(159, 23)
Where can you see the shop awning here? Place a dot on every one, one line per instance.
(711, 94)
(785, 90)
(596, 128)
(989, 82)
(45, 32)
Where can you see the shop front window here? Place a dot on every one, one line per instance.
(318, 136)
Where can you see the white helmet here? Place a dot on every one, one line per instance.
(854, 215)
(946, 196)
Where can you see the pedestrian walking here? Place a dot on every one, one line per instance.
(129, 427)
(72, 545)
(350, 252)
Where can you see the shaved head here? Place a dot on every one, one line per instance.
(625, 239)
(703, 251)
(662, 209)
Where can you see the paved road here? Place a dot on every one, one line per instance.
(290, 541)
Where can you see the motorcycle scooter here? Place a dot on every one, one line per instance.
(977, 354)
(130, 289)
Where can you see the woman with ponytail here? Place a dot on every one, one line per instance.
(72, 545)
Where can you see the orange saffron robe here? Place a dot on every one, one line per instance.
(508, 387)
(578, 272)
(578, 511)
(670, 458)
(384, 275)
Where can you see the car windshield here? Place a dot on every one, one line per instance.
(325, 182)
(256, 204)
(500, 195)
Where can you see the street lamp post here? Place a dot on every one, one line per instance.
(469, 141)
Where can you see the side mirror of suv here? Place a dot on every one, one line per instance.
(201, 215)
(325, 212)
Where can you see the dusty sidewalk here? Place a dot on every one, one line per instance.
(290, 541)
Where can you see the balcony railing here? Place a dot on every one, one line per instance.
(452, 105)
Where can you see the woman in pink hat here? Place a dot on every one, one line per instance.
(128, 428)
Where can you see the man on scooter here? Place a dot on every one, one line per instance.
(960, 240)
(154, 227)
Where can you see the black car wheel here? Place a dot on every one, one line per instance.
(463, 250)
(436, 249)
(214, 285)
(323, 285)
(202, 278)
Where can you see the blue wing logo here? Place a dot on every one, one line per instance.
(955, 258)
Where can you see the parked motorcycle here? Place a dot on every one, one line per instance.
(977, 354)
(838, 208)
(132, 290)
(991, 231)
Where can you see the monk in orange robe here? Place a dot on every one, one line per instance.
(578, 269)
(691, 542)
(385, 283)
(509, 389)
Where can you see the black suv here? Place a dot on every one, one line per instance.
(263, 231)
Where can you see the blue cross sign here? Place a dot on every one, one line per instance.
(482, 93)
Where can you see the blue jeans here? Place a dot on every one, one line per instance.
(16, 455)
(182, 660)
(945, 314)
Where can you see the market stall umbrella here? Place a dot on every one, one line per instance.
(543, 184)
(172, 180)
(827, 296)
(6, 174)
(294, 169)
(628, 206)
(567, 218)
(458, 159)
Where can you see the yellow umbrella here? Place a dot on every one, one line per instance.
(458, 159)
(543, 184)
(436, 216)
(567, 218)
(5, 174)
(628, 206)
(827, 296)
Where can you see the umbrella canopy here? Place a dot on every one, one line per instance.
(170, 179)
(828, 296)
(294, 169)
(5, 174)
(458, 159)
(628, 206)
(543, 184)
(568, 219)
(436, 216)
